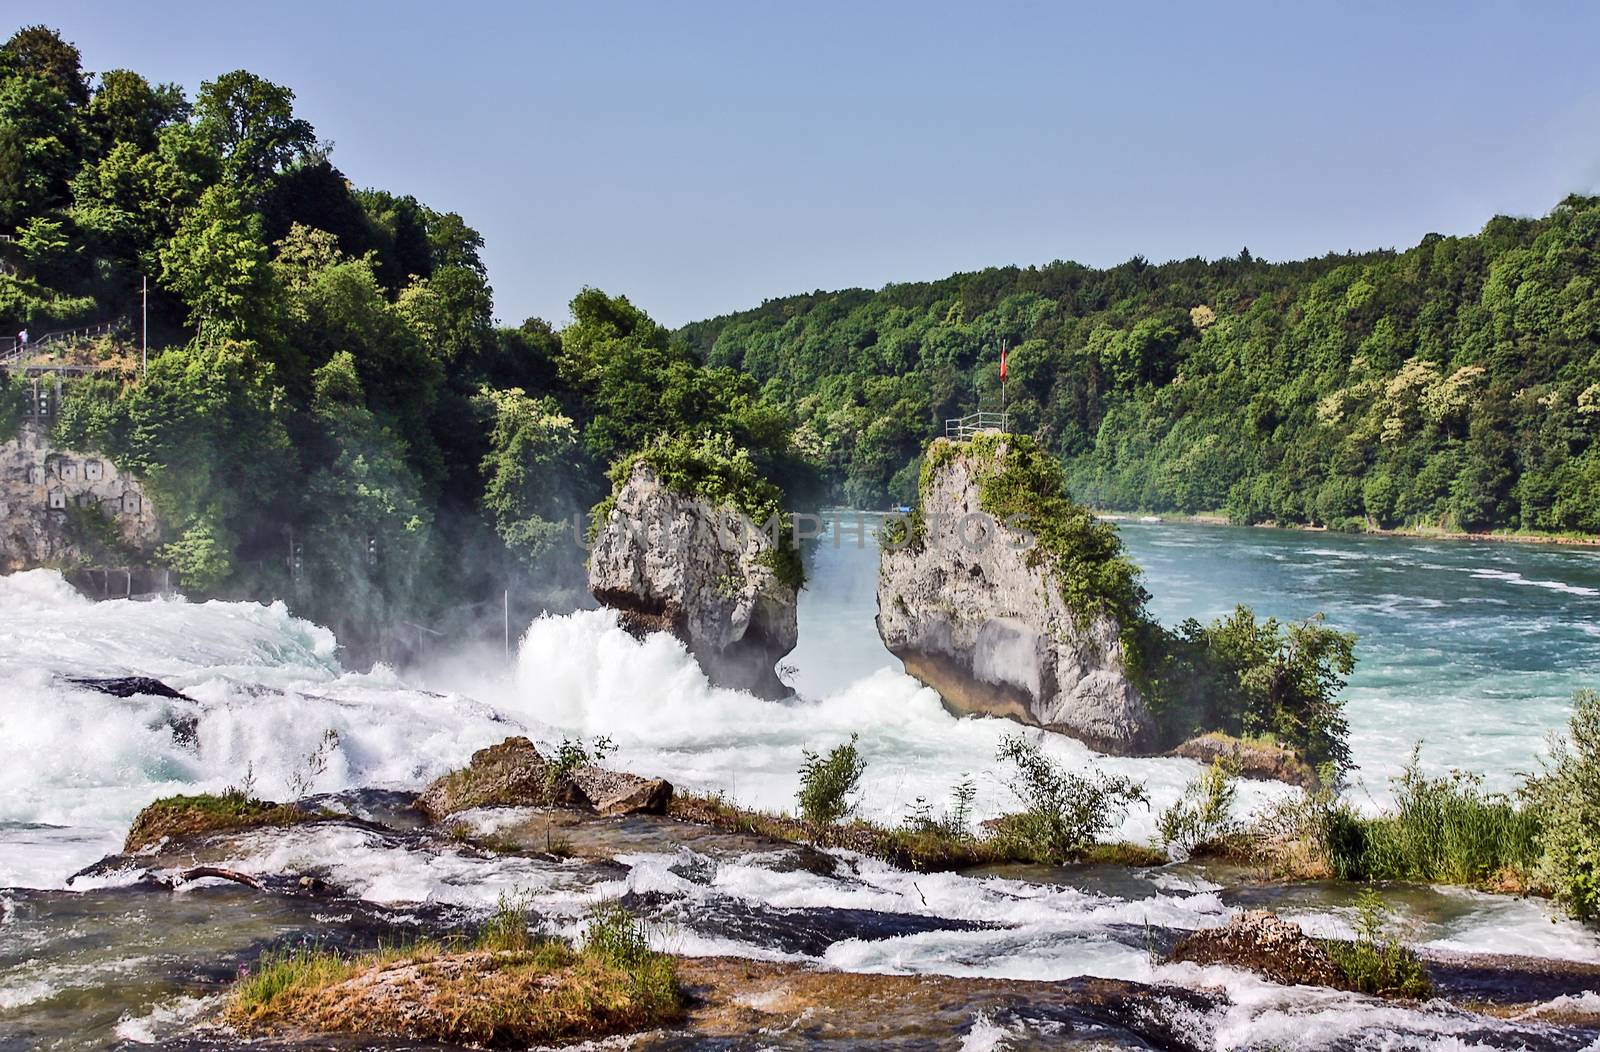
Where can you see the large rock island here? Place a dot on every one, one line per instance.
(679, 548)
(1028, 620)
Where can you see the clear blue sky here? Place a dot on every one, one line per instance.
(701, 157)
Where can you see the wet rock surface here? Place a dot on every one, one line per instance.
(128, 686)
(39, 480)
(985, 623)
(748, 1004)
(674, 563)
(507, 774)
(1265, 944)
(152, 955)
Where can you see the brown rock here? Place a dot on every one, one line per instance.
(510, 774)
(1254, 759)
(1265, 944)
(620, 793)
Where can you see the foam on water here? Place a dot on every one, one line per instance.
(76, 765)
(586, 675)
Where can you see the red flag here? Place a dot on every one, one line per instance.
(1002, 362)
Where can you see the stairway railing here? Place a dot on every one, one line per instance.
(14, 354)
(963, 428)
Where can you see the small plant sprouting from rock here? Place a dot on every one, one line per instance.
(957, 819)
(245, 787)
(572, 754)
(1063, 812)
(615, 934)
(509, 927)
(1204, 814)
(1376, 963)
(827, 783)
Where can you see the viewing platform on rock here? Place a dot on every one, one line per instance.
(104, 347)
(962, 428)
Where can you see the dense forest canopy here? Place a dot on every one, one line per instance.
(331, 412)
(1456, 383)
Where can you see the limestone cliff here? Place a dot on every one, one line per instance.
(60, 507)
(984, 618)
(675, 562)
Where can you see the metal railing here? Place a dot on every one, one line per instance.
(14, 354)
(78, 335)
(963, 428)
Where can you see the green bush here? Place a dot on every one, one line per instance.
(1063, 812)
(1256, 679)
(826, 783)
(1204, 814)
(1375, 963)
(1567, 795)
(1443, 830)
(13, 406)
(89, 415)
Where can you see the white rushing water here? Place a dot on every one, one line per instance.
(272, 706)
(76, 765)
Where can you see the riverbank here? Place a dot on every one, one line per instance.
(1429, 533)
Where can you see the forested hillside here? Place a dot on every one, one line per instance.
(1456, 383)
(331, 413)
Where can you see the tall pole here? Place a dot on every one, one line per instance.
(506, 600)
(144, 325)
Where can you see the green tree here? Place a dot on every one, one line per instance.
(529, 473)
(218, 264)
(250, 123)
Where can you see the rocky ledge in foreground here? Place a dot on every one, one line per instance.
(515, 774)
(989, 623)
(676, 562)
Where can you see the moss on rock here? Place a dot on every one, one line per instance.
(716, 470)
(182, 816)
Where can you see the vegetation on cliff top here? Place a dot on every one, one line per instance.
(1018, 481)
(716, 469)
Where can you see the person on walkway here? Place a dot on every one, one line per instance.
(22, 340)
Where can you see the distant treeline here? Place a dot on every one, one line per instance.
(1456, 383)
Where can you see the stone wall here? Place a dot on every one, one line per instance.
(45, 490)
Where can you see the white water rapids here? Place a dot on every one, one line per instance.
(77, 765)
